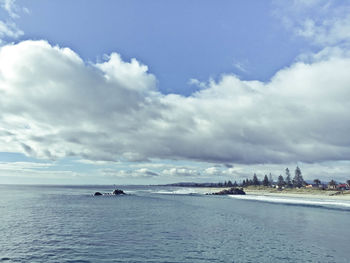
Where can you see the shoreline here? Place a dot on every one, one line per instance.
(324, 195)
(272, 192)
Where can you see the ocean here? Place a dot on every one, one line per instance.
(166, 224)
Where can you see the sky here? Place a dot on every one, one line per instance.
(151, 92)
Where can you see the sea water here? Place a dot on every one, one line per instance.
(165, 224)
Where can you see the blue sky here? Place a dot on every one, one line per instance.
(178, 40)
(166, 91)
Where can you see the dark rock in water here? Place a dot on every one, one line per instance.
(118, 192)
(115, 192)
(231, 191)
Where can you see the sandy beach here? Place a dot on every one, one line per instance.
(302, 193)
(295, 193)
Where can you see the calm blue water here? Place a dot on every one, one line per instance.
(67, 224)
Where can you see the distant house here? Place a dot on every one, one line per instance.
(342, 187)
(323, 186)
(331, 186)
(314, 186)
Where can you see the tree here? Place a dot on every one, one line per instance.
(298, 180)
(235, 184)
(266, 182)
(280, 181)
(288, 180)
(317, 182)
(256, 180)
(246, 182)
(270, 179)
(229, 183)
(332, 183)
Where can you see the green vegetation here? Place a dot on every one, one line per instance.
(297, 184)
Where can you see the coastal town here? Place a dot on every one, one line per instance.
(286, 182)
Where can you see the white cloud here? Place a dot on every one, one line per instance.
(139, 173)
(213, 171)
(183, 171)
(322, 22)
(197, 83)
(240, 66)
(10, 7)
(54, 105)
(26, 10)
(326, 32)
(91, 162)
(8, 29)
(131, 75)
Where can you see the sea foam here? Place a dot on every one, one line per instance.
(294, 201)
(183, 191)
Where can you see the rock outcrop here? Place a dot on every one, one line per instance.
(115, 192)
(118, 192)
(231, 191)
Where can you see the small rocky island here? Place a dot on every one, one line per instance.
(231, 191)
(115, 192)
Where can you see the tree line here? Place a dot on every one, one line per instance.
(282, 181)
(286, 181)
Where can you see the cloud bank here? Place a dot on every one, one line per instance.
(53, 105)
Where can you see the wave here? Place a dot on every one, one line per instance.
(184, 191)
(294, 201)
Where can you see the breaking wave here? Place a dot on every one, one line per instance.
(295, 201)
(184, 191)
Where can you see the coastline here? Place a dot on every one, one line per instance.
(272, 192)
(301, 193)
